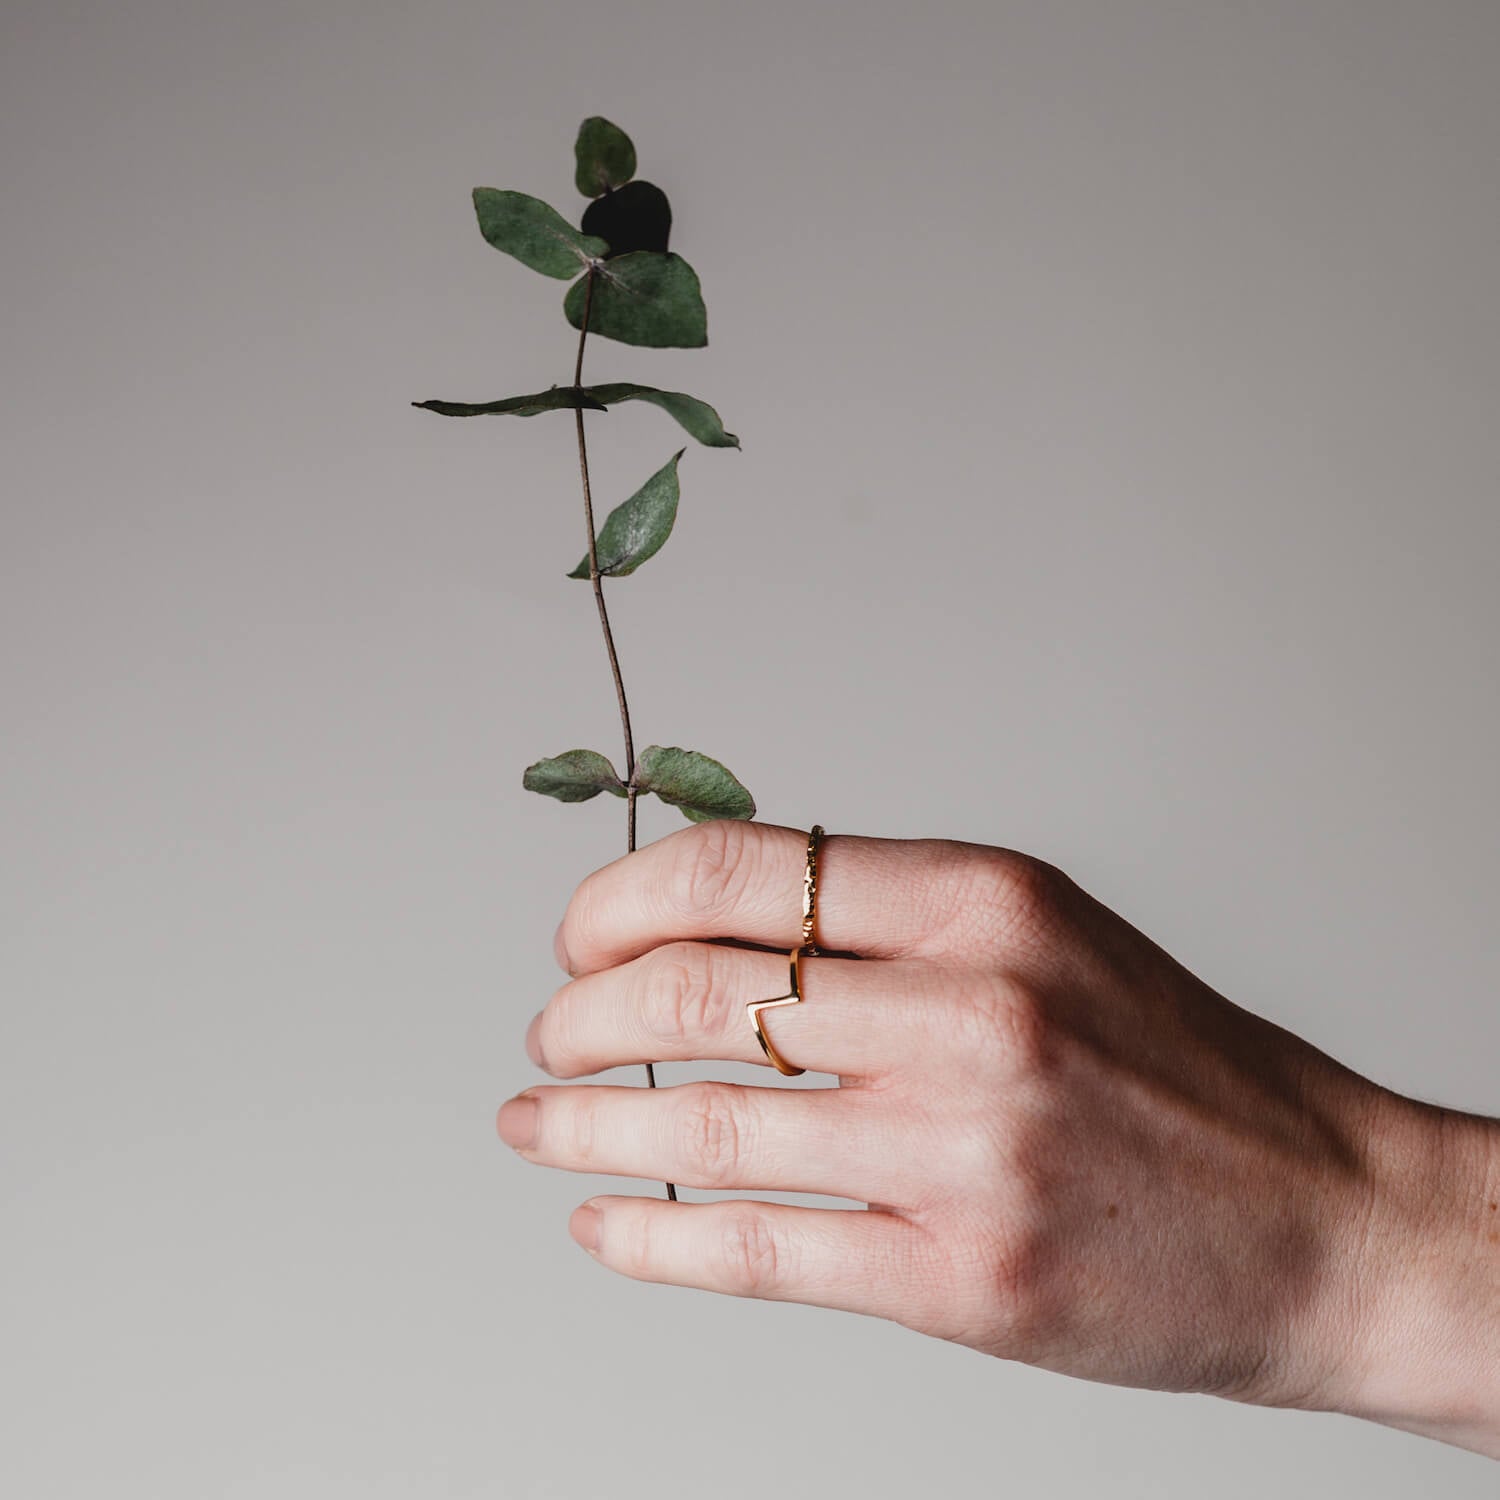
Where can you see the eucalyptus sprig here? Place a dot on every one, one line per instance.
(627, 286)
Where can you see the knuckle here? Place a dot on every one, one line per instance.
(1010, 900)
(914, 1265)
(1007, 1020)
(715, 1133)
(1010, 1264)
(1031, 892)
(1014, 1284)
(678, 1001)
(756, 1254)
(714, 866)
(994, 1279)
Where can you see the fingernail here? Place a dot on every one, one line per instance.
(533, 1041)
(584, 1226)
(560, 952)
(517, 1121)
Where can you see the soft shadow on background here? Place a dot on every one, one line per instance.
(1117, 385)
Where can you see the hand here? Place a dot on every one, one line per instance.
(1073, 1152)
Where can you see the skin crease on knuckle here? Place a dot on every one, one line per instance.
(1004, 902)
(677, 999)
(758, 1257)
(714, 868)
(715, 1134)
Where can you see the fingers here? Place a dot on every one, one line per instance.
(853, 1259)
(687, 1000)
(720, 1135)
(880, 898)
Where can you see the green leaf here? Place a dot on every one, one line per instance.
(701, 787)
(535, 233)
(650, 298)
(697, 418)
(638, 528)
(573, 776)
(560, 397)
(604, 156)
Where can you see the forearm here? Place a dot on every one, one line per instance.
(1426, 1353)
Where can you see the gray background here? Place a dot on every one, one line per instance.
(1118, 392)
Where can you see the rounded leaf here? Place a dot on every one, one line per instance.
(573, 776)
(645, 298)
(699, 786)
(534, 232)
(603, 155)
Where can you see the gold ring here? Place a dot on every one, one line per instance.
(810, 890)
(807, 948)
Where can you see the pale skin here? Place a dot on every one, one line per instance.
(1069, 1150)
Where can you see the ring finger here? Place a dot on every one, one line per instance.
(717, 1135)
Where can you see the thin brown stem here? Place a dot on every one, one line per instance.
(609, 639)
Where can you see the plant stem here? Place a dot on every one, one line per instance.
(609, 639)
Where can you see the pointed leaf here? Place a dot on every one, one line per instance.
(560, 397)
(636, 217)
(573, 776)
(702, 788)
(637, 529)
(645, 298)
(697, 418)
(604, 157)
(536, 234)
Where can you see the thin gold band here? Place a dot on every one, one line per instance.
(808, 947)
(810, 890)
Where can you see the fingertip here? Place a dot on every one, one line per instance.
(534, 1042)
(586, 1226)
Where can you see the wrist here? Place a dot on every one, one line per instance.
(1424, 1351)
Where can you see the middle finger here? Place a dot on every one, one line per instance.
(717, 1135)
(685, 1001)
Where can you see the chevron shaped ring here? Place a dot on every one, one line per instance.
(807, 947)
(755, 1007)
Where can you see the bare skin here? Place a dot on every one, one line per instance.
(1072, 1152)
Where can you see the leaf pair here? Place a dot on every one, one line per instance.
(697, 418)
(630, 215)
(642, 296)
(686, 779)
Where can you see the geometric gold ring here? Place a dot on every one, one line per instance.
(808, 946)
(755, 1007)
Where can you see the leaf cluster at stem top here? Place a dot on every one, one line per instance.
(626, 285)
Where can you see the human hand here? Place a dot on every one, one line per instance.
(1074, 1153)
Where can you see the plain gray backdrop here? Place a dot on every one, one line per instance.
(1118, 388)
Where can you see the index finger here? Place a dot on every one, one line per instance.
(877, 898)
